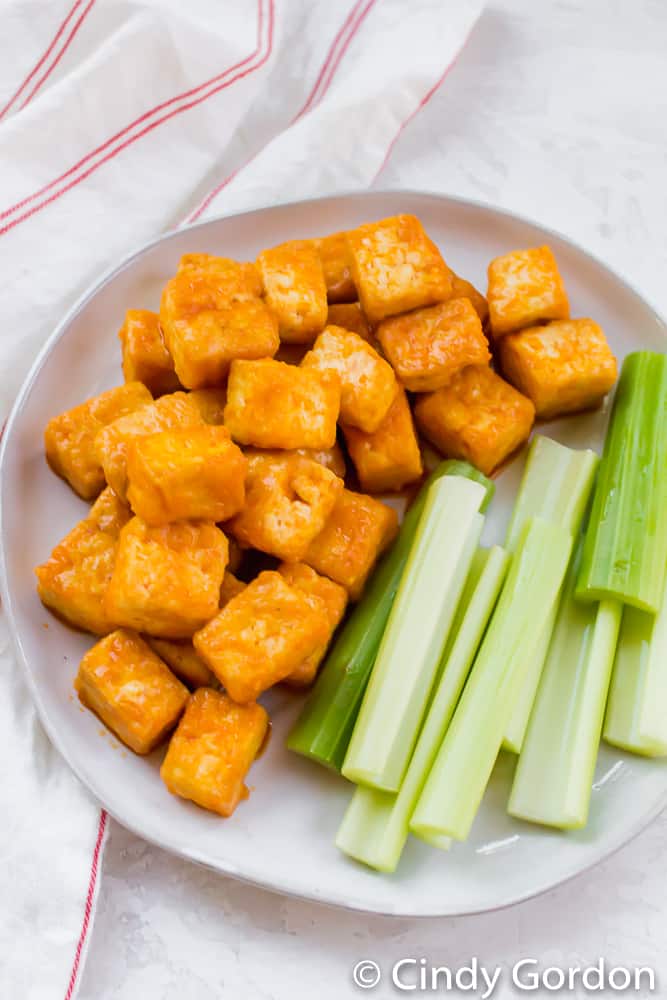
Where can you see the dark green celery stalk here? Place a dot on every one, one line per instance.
(324, 728)
(625, 548)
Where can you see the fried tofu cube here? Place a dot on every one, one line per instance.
(213, 749)
(274, 405)
(388, 459)
(180, 657)
(231, 586)
(323, 593)
(211, 312)
(295, 289)
(462, 289)
(74, 580)
(69, 439)
(145, 355)
(368, 384)
(209, 280)
(288, 500)
(478, 417)
(204, 346)
(261, 636)
(562, 367)
(396, 267)
(525, 287)
(330, 458)
(358, 530)
(128, 686)
(350, 316)
(166, 581)
(194, 473)
(429, 346)
(111, 443)
(334, 253)
(210, 403)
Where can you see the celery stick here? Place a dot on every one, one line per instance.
(460, 774)
(416, 633)
(323, 730)
(556, 485)
(636, 717)
(375, 827)
(554, 775)
(625, 549)
(517, 727)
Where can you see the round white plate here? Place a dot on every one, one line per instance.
(282, 838)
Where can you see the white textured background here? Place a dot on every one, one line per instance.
(557, 109)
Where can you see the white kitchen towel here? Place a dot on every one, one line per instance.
(120, 119)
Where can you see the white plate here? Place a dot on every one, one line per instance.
(282, 838)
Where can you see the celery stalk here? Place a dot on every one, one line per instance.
(323, 730)
(417, 629)
(554, 775)
(636, 717)
(454, 789)
(625, 549)
(375, 827)
(556, 485)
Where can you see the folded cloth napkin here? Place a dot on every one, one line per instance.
(118, 121)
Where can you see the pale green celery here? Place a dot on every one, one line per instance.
(375, 827)
(416, 633)
(554, 775)
(556, 485)
(517, 727)
(636, 717)
(455, 786)
(625, 548)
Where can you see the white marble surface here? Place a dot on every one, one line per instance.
(557, 109)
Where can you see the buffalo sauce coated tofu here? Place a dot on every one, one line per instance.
(166, 580)
(357, 531)
(429, 346)
(186, 474)
(211, 312)
(212, 751)
(180, 657)
(478, 417)
(350, 316)
(133, 692)
(322, 593)
(334, 254)
(74, 580)
(274, 405)
(69, 438)
(389, 458)
(111, 443)
(145, 355)
(288, 501)
(525, 287)
(331, 458)
(261, 636)
(396, 267)
(230, 587)
(562, 367)
(210, 403)
(462, 289)
(295, 289)
(368, 384)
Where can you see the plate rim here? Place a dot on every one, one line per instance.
(281, 886)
